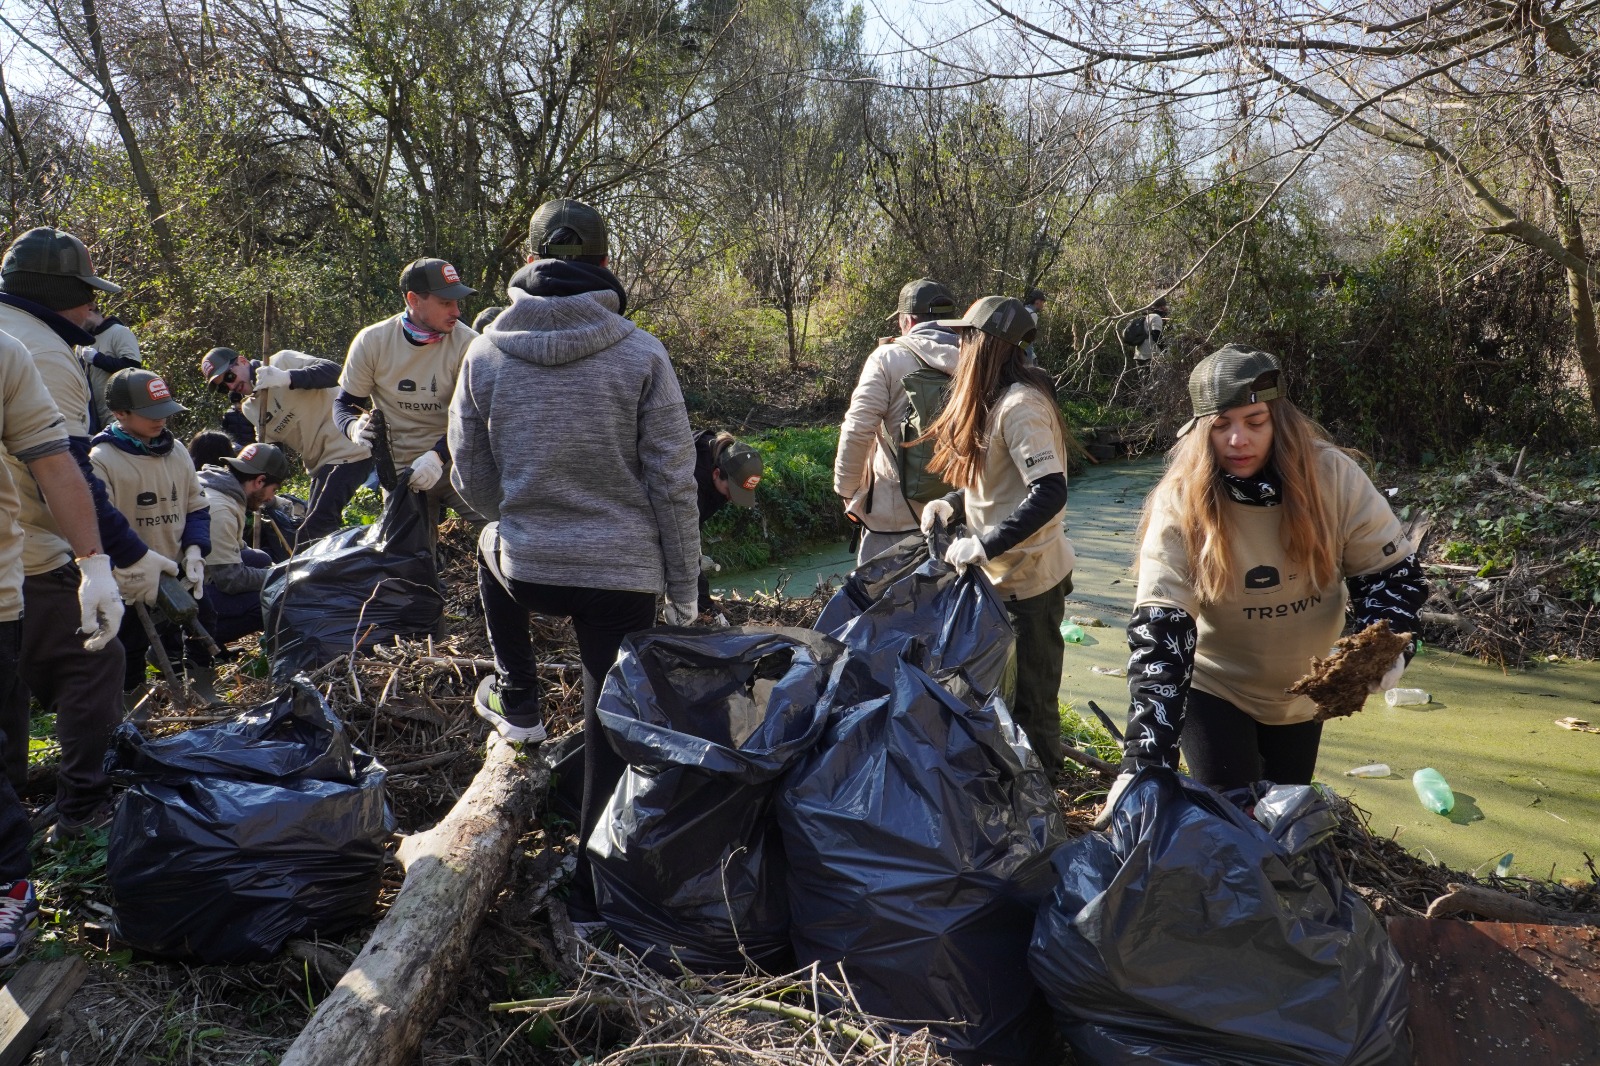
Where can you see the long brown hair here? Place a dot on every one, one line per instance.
(988, 366)
(1194, 490)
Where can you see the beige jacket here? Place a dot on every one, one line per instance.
(865, 471)
(30, 428)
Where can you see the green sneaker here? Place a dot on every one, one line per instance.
(487, 701)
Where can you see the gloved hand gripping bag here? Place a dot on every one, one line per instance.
(1194, 934)
(687, 863)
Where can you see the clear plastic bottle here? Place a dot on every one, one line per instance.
(1406, 697)
(1072, 632)
(1433, 790)
(1372, 769)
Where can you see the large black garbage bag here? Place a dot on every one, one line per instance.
(918, 834)
(687, 863)
(354, 588)
(1193, 934)
(232, 838)
(910, 593)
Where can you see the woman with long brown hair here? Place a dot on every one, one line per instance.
(1001, 441)
(1252, 546)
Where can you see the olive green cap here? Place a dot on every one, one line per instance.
(1232, 376)
(1005, 317)
(435, 277)
(142, 392)
(573, 215)
(256, 459)
(925, 297)
(43, 250)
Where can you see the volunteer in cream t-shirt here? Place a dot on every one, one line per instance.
(406, 367)
(1254, 542)
(1000, 440)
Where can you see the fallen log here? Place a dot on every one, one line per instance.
(379, 1012)
(1503, 907)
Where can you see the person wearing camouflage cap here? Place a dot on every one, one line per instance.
(48, 289)
(287, 399)
(1001, 441)
(406, 367)
(867, 466)
(1255, 540)
(235, 487)
(569, 429)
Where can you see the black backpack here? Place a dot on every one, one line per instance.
(1135, 332)
(927, 387)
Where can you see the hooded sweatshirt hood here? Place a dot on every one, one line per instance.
(554, 330)
(220, 479)
(941, 347)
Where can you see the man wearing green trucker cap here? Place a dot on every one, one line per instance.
(152, 481)
(872, 439)
(48, 287)
(235, 573)
(406, 367)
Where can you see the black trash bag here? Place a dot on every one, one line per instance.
(234, 837)
(687, 863)
(918, 834)
(910, 593)
(357, 587)
(1192, 934)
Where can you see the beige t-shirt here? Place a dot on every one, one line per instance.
(155, 493)
(410, 383)
(1259, 639)
(28, 420)
(43, 547)
(1025, 444)
(301, 419)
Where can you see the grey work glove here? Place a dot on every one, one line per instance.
(681, 614)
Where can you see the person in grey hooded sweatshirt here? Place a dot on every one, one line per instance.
(569, 432)
(866, 472)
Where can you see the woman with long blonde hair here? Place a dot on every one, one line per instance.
(1001, 441)
(1251, 548)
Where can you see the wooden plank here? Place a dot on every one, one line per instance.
(1487, 993)
(30, 1001)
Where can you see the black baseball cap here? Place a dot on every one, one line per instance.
(143, 392)
(216, 362)
(43, 250)
(255, 459)
(586, 231)
(1005, 317)
(1231, 376)
(742, 466)
(924, 297)
(436, 278)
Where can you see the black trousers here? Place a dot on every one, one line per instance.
(80, 687)
(1040, 648)
(15, 832)
(184, 651)
(602, 618)
(1226, 748)
(332, 486)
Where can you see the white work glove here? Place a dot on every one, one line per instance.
(137, 581)
(426, 469)
(681, 614)
(270, 377)
(936, 511)
(709, 565)
(964, 551)
(1118, 787)
(194, 572)
(1391, 677)
(360, 431)
(99, 600)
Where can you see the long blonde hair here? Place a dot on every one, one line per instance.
(1193, 484)
(988, 366)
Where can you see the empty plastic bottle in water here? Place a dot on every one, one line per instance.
(1072, 632)
(1372, 769)
(1503, 867)
(1405, 697)
(1433, 790)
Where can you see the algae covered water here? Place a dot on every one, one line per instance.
(1523, 784)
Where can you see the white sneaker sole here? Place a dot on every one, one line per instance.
(517, 734)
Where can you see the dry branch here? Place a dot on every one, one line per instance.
(1500, 907)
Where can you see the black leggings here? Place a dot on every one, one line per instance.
(1226, 748)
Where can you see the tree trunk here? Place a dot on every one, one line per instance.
(1569, 228)
(379, 1012)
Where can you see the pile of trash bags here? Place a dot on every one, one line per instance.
(232, 838)
(354, 588)
(862, 798)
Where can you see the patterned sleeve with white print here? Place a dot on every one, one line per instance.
(1396, 595)
(1161, 641)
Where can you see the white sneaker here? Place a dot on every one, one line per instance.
(487, 702)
